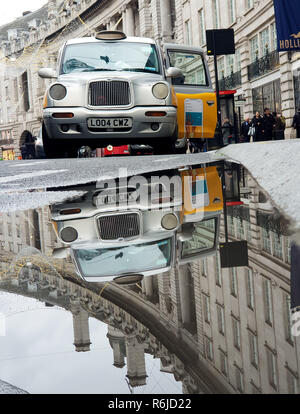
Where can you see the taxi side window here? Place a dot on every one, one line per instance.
(203, 239)
(192, 66)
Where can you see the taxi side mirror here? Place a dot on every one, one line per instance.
(174, 72)
(47, 73)
(186, 233)
(61, 253)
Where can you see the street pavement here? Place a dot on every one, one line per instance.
(274, 166)
(23, 183)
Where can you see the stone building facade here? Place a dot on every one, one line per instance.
(260, 75)
(235, 322)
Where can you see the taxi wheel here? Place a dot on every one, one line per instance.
(164, 148)
(53, 148)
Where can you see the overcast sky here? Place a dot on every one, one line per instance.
(14, 8)
(37, 354)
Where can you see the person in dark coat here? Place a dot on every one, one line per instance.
(296, 122)
(258, 124)
(279, 127)
(269, 124)
(245, 130)
(227, 132)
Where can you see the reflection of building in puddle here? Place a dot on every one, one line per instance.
(129, 338)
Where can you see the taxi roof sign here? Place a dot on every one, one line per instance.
(110, 35)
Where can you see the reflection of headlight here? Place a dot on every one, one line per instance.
(58, 92)
(160, 91)
(69, 234)
(169, 222)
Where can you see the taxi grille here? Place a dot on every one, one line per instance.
(114, 93)
(121, 226)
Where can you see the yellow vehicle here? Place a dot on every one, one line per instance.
(201, 193)
(196, 100)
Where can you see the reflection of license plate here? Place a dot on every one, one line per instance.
(110, 123)
(103, 199)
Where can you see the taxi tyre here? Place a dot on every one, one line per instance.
(53, 148)
(163, 148)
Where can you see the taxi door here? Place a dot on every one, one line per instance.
(202, 193)
(197, 105)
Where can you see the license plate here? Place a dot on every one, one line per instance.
(110, 123)
(114, 198)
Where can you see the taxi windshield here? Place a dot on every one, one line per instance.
(110, 56)
(136, 258)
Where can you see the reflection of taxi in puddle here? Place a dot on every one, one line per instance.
(113, 235)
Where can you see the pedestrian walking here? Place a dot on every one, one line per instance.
(227, 132)
(296, 122)
(278, 128)
(245, 130)
(258, 124)
(268, 125)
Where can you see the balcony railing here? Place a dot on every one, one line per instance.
(263, 65)
(231, 82)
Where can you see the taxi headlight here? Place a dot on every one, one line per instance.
(160, 91)
(69, 235)
(169, 222)
(58, 92)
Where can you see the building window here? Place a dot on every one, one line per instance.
(221, 320)
(277, 246)
(202, 35)
(209, 349)
(268, 305)
(239, 379)
(218, 271)
(229, 64)
(254, 48)
(253, 347)
(206, 308)
(248, 231)
(266, 241)
(240, 229)
(250, 288)
(287, 318)
(273, 30)
(292, 381)
(204, 268)
(236, 333)
(265, 41)
(216, 14)
(232, 11)
(249, 4)
(231, 228)
(272, 368)
(188, 32)
(238, 65)
(221, 67)
(233, 281)
(25, 91)
(288, 250)
(223, 363)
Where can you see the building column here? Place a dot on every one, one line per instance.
(246, 85)
(136, 365)
(81, 329)
(117, 342)
(145, 18)
(130, 22)
(148, 285)
(287, 93)
(166, 21)
(185, 294)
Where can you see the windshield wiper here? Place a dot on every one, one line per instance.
(140, 70)
(99, 70)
